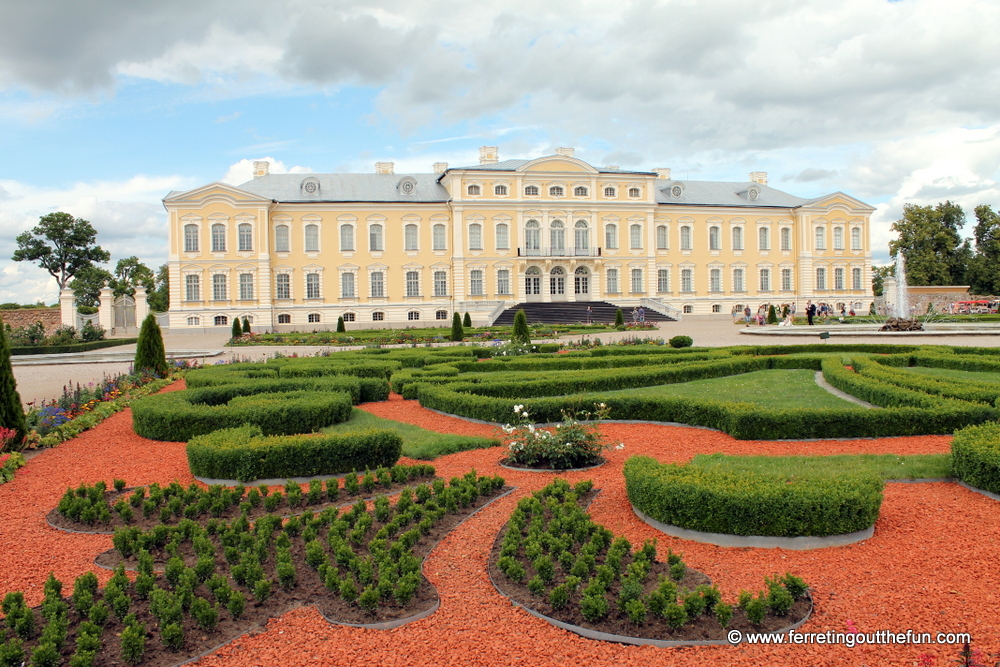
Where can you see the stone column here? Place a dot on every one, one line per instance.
(105, 312)
(141, 305)
(67, 307)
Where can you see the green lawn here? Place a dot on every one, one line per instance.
(780, 388)
(888, 466)
(952, 374)
(418, 443)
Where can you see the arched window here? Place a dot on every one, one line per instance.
(533, 280)
(714, 242)
(440, 314)
(580, 191)
(412, 283)
(347, 238)
(218, 238)
(856, 238)
(737, 238)
(662, 237)
(281, 243)
(474, 190)
(349, 317)
(475, 236)
(192, 288)
(194, 321)
(663, 280)
(503, 236)
(410, 237)
(838, 238)
(557, 280)
(284, 318)
(685, 238)
(715, 280)
(312, 238)
(347, 286)
(637, 284)
(820, 238)
(245, 237)
(221, 320)
(378, 316)
(413, 315)
(611, 280)
(611, 236)
(763, 238)
(610, 192)
(476, 282)
(687, 280)
(282, 286)
(500, 190)
(581, 280)
(786, 238)
(557, 237)
(219, 287)
(440, 237)
(190, 238)
(531, 191)
(582, 236)
(312, 285)
(738, 282)
(313, 318)
(440, 283)
(375, 238)
(532, 238)
(556, 191)
(503, 281)
(634, 192)
(377, 279)
(635, 237)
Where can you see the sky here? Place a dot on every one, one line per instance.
(108, 105)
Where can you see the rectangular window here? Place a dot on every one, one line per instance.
(192, 288)
(611, 236)
(440, 283)
(637, 280)
(312, 238)
(715, 280)
(281, 238)
(687, 280)
(410, 237)
(219, 287)
(855, 278)
(347, 286)
(685, 238)
(412, 283)
(475, 236)
(439, 237)
(838, 279)
(613, 281)
(283, 286)
(856, 238)
(738, 280)
(635, 237)
(663, 280)
(245, 233)
(312, 285)
(765, 280)
(347, 238)
(503, 237)
(661, 237)
(190, 238)
(503, 281)
(737, 238)
(375, 238)
(378, 284)
(763, 239)
(820, 278)
(476, 282)
(246, 286)
(786, 280)
(786, 238)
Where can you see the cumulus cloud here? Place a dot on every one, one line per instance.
(242, 171)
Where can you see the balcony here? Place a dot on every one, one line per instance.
(559, 252)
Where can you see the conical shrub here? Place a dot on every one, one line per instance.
(521, 332)
(467, 321)
(619, 318)
(772, 315)
(457, 332)
(11, 412)
(237, 329)
(150, 354)
(246, 325)
(340, 325)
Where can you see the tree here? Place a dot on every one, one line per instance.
(467, 321)
(62, 245)
(88, 283)
(879, 274)
(159, 298)
(129, 274)
(930, 241)
(619, 318)
(246, 324)
(340, 325)
(11, 412)
(150, 354)
(521, 332)
(457, 333)
(772, 315)
(984, 274)
(237, 328)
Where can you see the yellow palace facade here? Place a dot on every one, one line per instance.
(295, 251)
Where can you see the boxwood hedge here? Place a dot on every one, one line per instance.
(752, 503)
(246, 453)
(976, 456)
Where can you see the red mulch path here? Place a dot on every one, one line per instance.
(932, 565)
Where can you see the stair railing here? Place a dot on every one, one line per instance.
(661, 308)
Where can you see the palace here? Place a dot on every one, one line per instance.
(295, 251)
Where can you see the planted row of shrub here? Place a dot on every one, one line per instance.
(976, 456)
(750, 502)
(963, 390)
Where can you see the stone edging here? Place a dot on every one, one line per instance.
(986, 493)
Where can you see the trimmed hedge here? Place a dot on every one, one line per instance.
(963, 390)
(247, 454)
(362, 390)
(752, 503)
(75, 347)
(177, 417)
(976, 456)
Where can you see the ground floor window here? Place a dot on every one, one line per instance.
(348, 317)
(413, 315)
(313, 317)
(221, 320)
(194, 321)
(284, 318)
(441, 315)
(378, 316)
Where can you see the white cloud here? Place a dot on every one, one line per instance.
(242, 171)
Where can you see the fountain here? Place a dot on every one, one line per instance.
(900, 318)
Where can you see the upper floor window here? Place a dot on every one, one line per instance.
(500, 190)
(856, 238)
(580, 191)
(838, 278)
(347, 286)
(610, 192)
(763, 238)
(190, 238)
(476, 282)
(611, 236)
(713, 239)
(246, 286)
(475, 236)
(192, 288)
(375, 238)
(856, 278)
(218, 238)
(556, 191)
(581, 235)
(663, 280)
(611, 281)
(439, 237)
(635, 237)
(245, 237)
(637, 285)
(737, 238)
(820, 278)
(786, 238)
(820, 238)
(281, 238)
(347, 238)
(531, 191)
(738, 280)
(662, 240)
(474, 190)
(838, 238)
(410, 237)
(634, 192)
(282, 286)
(503, 236)
(312, 238)
(765, 280)
(687, 280)
(503, 281)
(685, 238)
(312, 285)
(440, 283)
(412, 283)
(377, 283)
(786, 280)
(219, 287)
(715, 280)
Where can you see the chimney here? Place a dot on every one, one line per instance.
(440, 167)
(488, 155)
(261, 168)
(385, 168)
(565, 152)
(759, 177)
(663, 173)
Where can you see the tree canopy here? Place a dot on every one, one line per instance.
(159, 298)
(930, 241)
(62, 245)
(129, 274)
(984, 269)
(87, 285)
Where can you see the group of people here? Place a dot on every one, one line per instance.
(639, 314)
(786, 311)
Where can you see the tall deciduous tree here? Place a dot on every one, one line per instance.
(131, 273)
(11, 412)
(87, 285)
(62, 245)
(879, 274)
(159, 298)
(930, 241)
(984, 269)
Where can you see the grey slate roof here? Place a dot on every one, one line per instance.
(511, 165)
(718, 193)
(347, 188)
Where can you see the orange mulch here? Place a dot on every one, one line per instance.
(930, 567)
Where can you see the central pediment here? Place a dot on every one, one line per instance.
(558, 163)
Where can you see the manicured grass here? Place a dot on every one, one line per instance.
(953, 374)
(782, 388)
(887, 466)
(418, 443)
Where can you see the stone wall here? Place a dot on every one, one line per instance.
(26, 316)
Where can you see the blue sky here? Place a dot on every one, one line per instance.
(108, 105)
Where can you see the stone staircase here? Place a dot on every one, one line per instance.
(572, 312)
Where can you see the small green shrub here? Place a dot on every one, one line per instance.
(680, 341)
(133, 644)
(724, 614)
(675, 616)
(594, 607)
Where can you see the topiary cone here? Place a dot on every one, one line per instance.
(457, 332)
(150, 354)
(11, 412)
(237, 329)
(521, 332)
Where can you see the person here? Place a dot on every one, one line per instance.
(590, 315)
(851, 313)
(787, 322)
(635, 316)
(810, 311)
(642, 314)
(746, 315)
